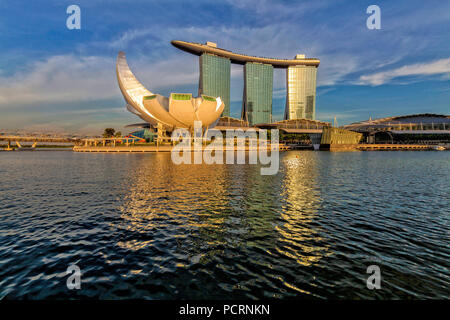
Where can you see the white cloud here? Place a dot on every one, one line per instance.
(269, 7)
(441, 67)
(71, 78)
(59, 79)
(125, 38)
(333, 68)
(76, 79)
(278, 40)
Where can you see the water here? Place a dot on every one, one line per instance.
(139, 226)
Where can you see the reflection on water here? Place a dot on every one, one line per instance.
(162, 195)
(302, 199)
(141, 227)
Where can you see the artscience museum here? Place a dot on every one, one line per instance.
(180, 110)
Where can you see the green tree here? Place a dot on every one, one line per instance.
(109, 132)
(118, 134)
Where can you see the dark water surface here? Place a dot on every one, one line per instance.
(139, 226)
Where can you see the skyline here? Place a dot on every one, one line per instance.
(53, 78)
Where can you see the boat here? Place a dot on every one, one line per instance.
(438, 148)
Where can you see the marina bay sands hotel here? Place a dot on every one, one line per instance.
(215, 65)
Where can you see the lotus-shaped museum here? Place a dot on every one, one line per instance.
(180, 110)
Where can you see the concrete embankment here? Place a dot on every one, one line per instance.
(162, 148)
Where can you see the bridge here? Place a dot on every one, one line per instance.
(297, 126)
(34, 140)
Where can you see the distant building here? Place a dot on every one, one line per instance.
(215, 78)
(297, 131)
(296, 126)
(339, 139)
(258, 85)
(424, 128)
(301, 76)
(301, 92)
(145, 134)
(225, 123)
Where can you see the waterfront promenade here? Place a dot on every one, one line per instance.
(386, 146)
(282, 147)
(164, 148)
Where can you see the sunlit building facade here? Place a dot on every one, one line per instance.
(413, 128)
(301, 73)
(179, 110)
(257, 99)
(301, 92)
(215, 78)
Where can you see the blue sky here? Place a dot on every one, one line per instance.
(55, 79)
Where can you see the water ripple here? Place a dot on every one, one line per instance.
(140, 227)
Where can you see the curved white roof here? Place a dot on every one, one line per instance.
(178, 111)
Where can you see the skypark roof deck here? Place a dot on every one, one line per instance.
(198, 49)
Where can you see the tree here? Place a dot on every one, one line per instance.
(109, 132)
(118, 134)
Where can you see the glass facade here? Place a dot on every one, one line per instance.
(146, 134)
(339, 136)
(301, 92)
(258, 87)
(215, 79)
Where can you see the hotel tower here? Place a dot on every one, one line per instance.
(215, 65)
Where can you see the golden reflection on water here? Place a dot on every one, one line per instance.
(302, 198)
(216, 202)
(162, 192)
